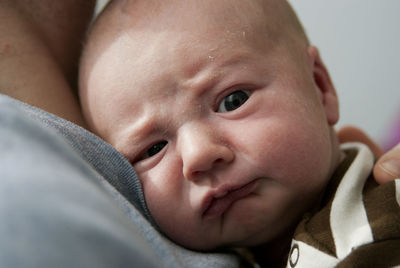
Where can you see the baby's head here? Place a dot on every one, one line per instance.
(223, 109)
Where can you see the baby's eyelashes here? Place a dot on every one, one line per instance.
(233, 101)
(153, 150)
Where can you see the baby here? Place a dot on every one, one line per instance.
(226, 113)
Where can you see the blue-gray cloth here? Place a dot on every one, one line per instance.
(68, 199)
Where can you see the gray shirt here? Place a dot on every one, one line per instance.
(68, 199)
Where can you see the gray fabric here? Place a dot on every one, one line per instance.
(68, 199)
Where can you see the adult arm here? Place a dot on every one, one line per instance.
(39, 52)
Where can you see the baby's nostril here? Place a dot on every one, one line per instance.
(219, 160)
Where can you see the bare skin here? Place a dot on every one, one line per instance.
(175, 95)
(39, 52)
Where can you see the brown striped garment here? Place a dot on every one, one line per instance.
(358, 224)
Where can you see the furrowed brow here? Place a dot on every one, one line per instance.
(130, 141)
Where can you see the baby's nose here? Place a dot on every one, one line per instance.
(202, 151)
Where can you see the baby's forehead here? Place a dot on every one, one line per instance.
(216, 16)
(270, 20)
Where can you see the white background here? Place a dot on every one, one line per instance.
(359, 41)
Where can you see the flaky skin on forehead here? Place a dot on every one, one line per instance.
(270, 19)
(278, 15)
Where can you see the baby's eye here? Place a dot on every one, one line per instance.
(233, 101)
(154, 149)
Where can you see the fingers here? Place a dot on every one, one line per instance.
(388, 166)
(354, 134)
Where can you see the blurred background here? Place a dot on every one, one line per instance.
(359, 41)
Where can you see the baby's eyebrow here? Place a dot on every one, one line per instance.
(213, 76)
(130, 141)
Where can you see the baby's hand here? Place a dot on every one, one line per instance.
(387, 168)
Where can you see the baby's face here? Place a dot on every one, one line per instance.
(228, 133)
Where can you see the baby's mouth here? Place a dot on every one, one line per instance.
(222, 201)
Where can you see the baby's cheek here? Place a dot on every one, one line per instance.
(163, 194)
(291, 153)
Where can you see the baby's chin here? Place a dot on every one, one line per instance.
(200, 244)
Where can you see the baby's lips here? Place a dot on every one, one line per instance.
(218, 203)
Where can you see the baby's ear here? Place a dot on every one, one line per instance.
(325, 85)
